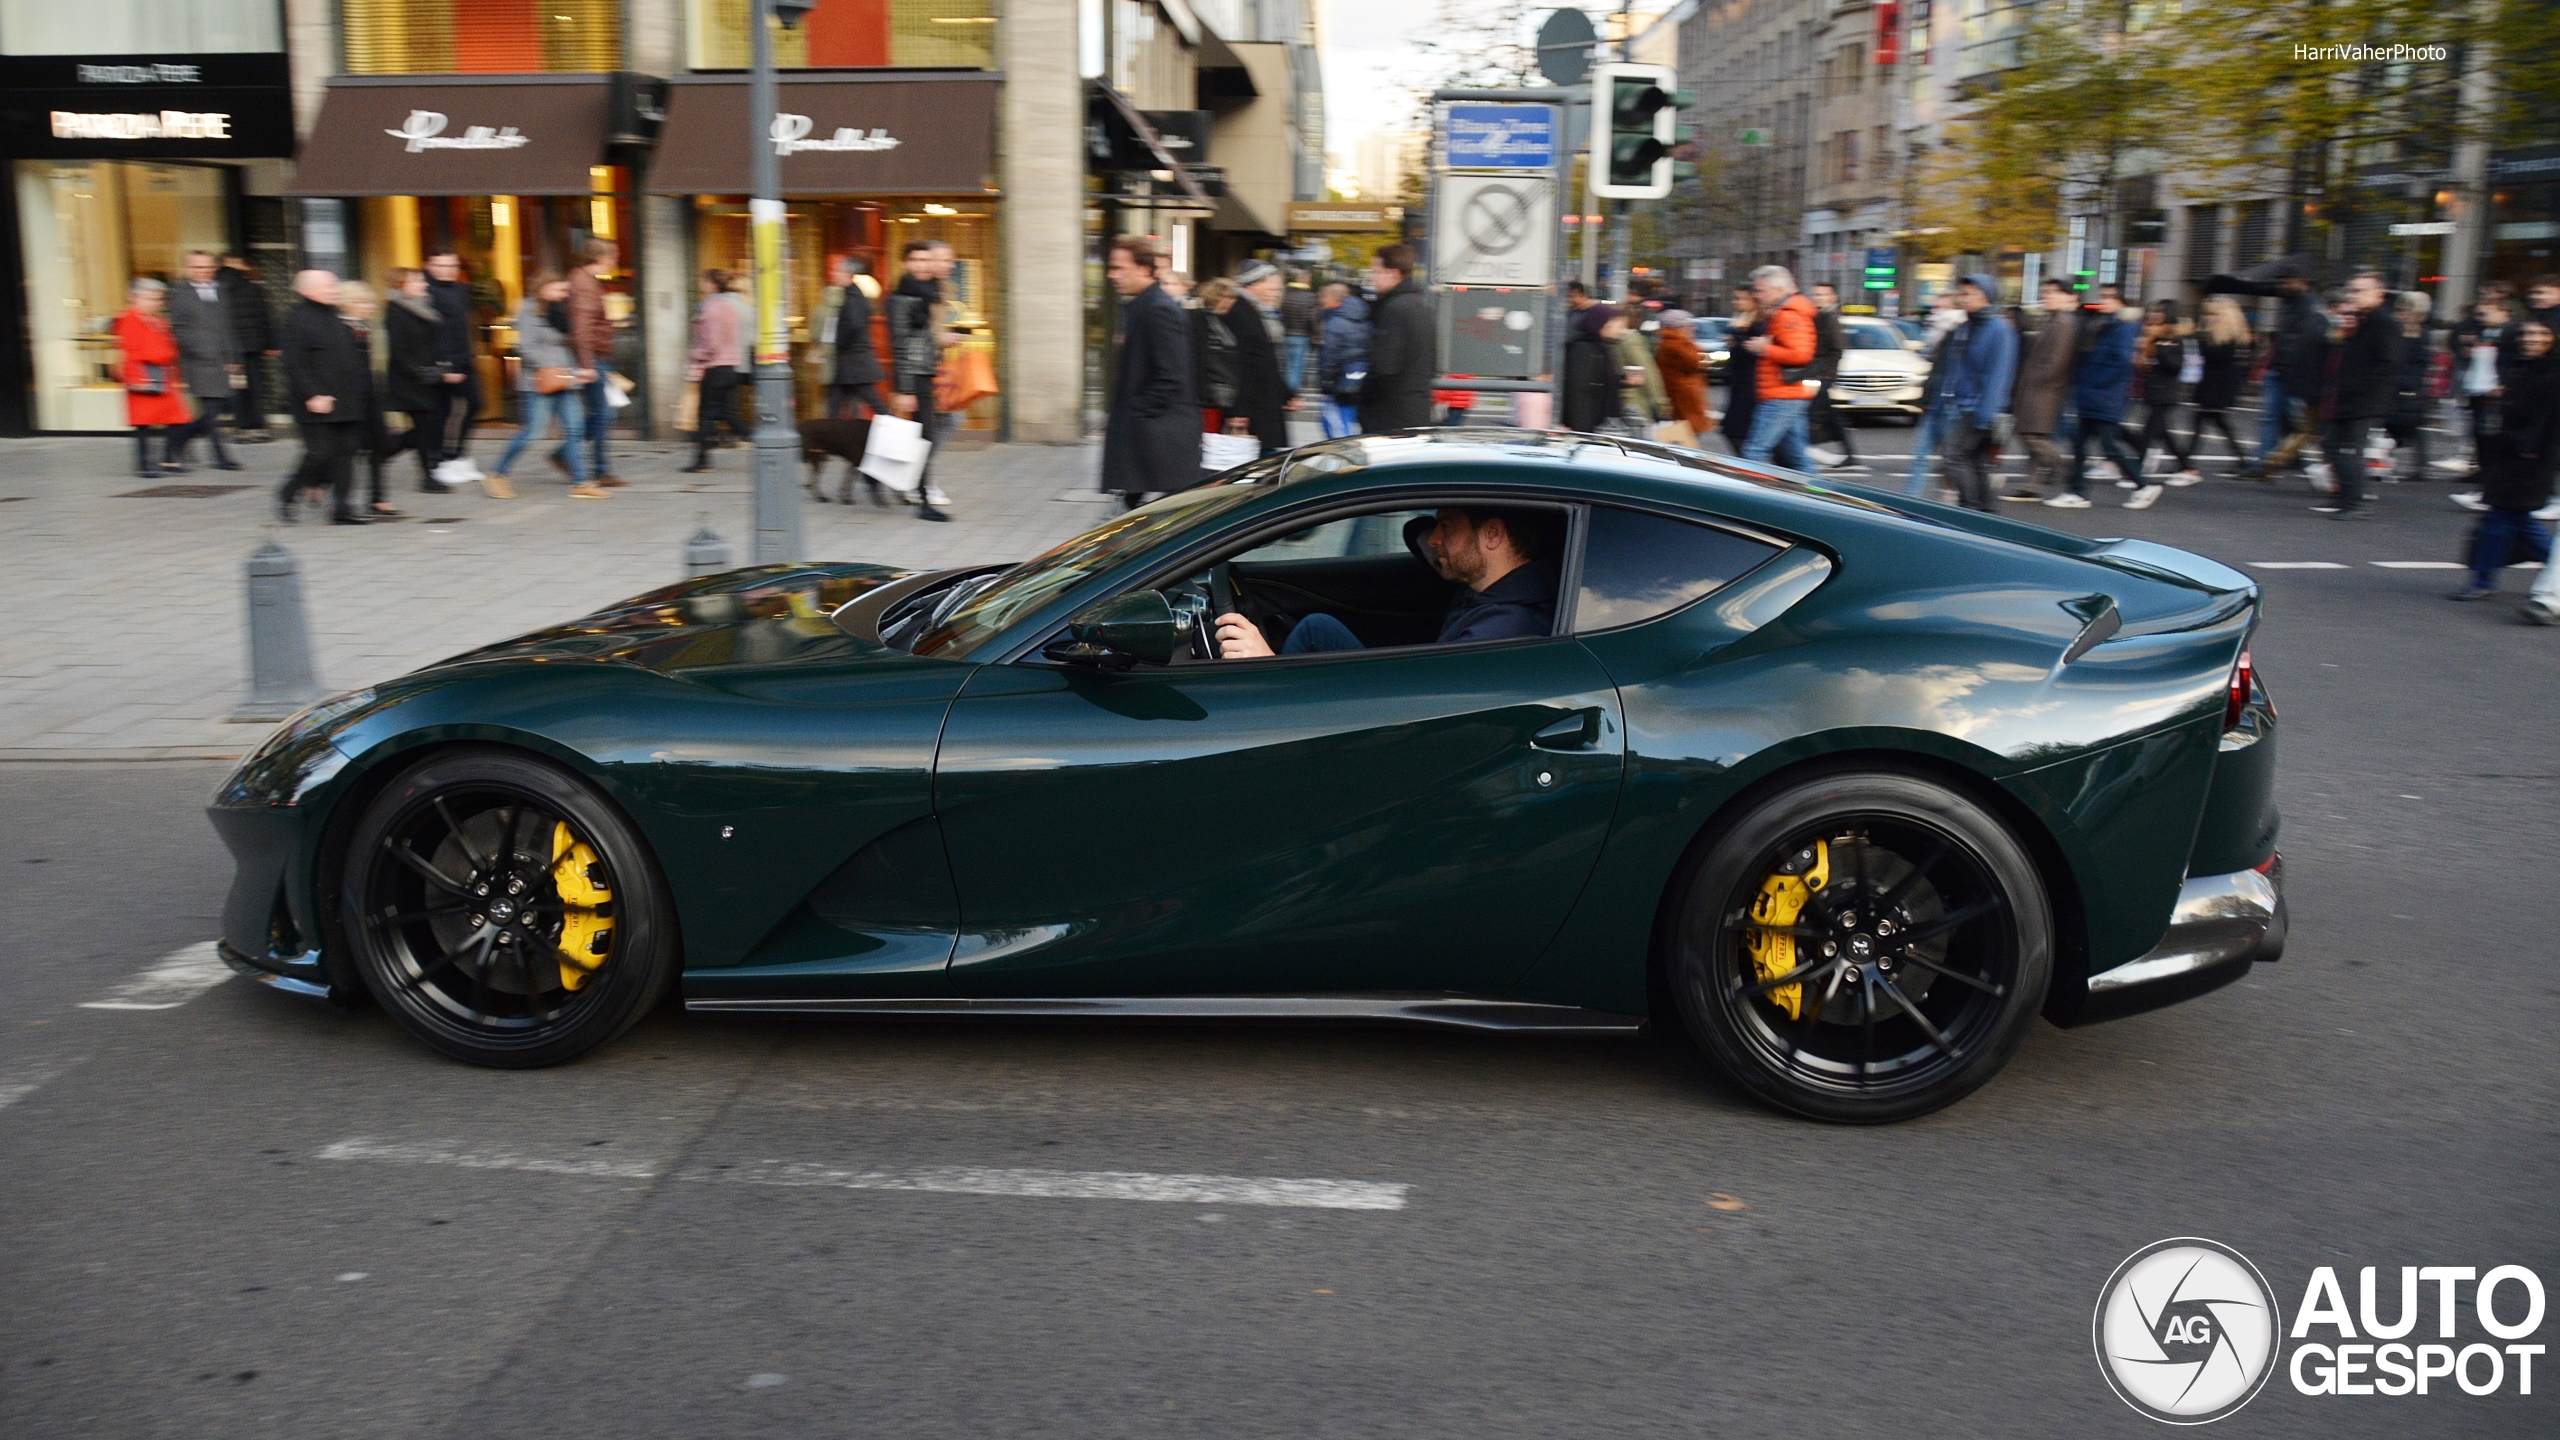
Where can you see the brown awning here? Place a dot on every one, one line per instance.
(457, 135)
(841, 132)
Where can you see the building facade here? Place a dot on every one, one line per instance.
(1752, 67)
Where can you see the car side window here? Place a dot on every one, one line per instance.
(1354, 535)
(1637, 565)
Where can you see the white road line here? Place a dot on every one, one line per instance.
(360, 1148)
(2420, 564)
(173, 982)
(2295, 565)
(18, 1084)
(1078, 1185)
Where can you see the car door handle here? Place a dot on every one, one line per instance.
(1577, 731)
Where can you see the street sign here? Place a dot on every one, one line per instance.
(1502, 137)
(1498, 333)
(2424, 227)
(1564, 47)
(1494, 230)
(1335, 217)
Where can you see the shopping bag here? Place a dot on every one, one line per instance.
(689, 406)
(894, 452)
(617, 390)
(1226, 452)
(1675, 432)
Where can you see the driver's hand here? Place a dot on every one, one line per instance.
(1239, 638)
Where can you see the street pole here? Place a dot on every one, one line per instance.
(1619, 256)
(779, 539)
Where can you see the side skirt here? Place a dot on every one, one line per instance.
(1448, 1011)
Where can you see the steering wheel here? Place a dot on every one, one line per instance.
(1222, 589)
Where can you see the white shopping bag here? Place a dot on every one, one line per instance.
(894, 452)
(1226, 452)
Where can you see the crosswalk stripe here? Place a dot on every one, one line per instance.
(2296, 565)
(177, 979)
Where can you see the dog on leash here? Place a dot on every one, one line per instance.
(843, 439)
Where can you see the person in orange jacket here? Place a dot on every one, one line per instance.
(154, 395)
(1684, 373)
(1785, 356)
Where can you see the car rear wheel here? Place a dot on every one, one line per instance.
(504, 913)
(1862, 947)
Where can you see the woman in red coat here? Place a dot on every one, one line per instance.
(153, 394)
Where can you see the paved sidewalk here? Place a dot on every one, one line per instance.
(128, 636)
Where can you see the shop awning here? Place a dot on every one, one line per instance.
(457, 135)
(1134, 123)
(839, 132)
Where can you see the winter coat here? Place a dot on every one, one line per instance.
(1792, 343)
(2301, 345)
(1213, 359)
(590, 329)
(367, 401)
(253, 326)
(915, 333)
(718, 337)
(1590, 372)
(1152, 440)
(2044, 376)
(1262, 392)
(414, 382)
(540, 345)
(323, 357)
(2409, 384)
(1827, 345)
(2102, 386)
(452, 300)
(1299, 310)
(1342, 347)
(1684, 380)
(2225, 367)
(1740, 400)
(206, 351)
(1402, 356)
(2517, 460)
(1647, 398)
(2160, 384)
(1981, 361)
(2366, 370)
(846, 333)
(149, 347)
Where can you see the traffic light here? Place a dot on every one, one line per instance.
(1880, 277)
(1631, 152)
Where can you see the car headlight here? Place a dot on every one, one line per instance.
(298, 757)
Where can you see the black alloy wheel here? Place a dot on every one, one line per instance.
(503, 913)
(1862, 947)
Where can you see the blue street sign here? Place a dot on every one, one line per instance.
(1502, 137)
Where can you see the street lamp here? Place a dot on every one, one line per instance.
(779, 538)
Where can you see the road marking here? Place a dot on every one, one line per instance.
(2295, 565)
(2421, 564)
(173, 982)
(361, 1148)
(1078, 1185)
(17, 1085)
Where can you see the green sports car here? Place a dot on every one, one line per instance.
(1481, 728)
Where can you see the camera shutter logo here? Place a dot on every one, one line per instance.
(2186, 1331)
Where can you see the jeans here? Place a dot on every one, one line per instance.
(599, 419)
(1968, 466)
(1777, 433)
(1320, 634)
(2110, 437)
(1339, 419)
(1293, 362)
(2345, 445)
(1924, 438)
(2277, 416)
(570, 407)
(2494, 542)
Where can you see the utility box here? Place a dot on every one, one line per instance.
(1496, 332)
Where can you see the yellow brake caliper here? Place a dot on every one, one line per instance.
(1781, 899)
(585, 934)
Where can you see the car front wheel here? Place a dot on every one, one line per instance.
(1862, 947)
(503, 912)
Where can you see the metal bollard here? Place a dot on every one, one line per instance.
(706, 553)
(280, 674)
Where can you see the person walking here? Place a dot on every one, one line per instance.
(1641, 399)
(1263, 395)
(1213, 350)
(1945, 316)
(361, 309)
(2517, 459)
(413, 382)
(550, 382)
(2227, 349)
(1342, 357)
(2291, 394)
(1981, 361)
(1825, 421)
(1741, 390)
(253, 330)
(2101, 388)
(1591, 368)
(209, 359)
(2484, 348)
(847, 358)
(2043, 387)
(2160, 359)
(154, 387)
(2412, 382)
(1781, 369)
(918, 334)
(1684, 375)
(327, 377)
(451, 296)
(712, 366)
(591, 341)
(1300, 314)
(2363, 377)
(1402, 353)
(1151, 442)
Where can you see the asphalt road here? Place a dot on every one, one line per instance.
(243, 1215)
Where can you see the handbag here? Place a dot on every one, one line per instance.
(894, 452)
(154, 381)
(1677, 433)
(1220, 452)
(552, 379)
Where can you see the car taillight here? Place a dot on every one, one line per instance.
(2244, 679)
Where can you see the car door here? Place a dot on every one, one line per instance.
(1410, 819)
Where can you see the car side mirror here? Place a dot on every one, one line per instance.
(1139, 627)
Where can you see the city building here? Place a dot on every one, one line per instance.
(1752, 67)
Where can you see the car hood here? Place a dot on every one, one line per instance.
(758, 617)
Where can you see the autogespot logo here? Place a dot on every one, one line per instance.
(2186, 1331)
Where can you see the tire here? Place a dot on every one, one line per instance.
(1928, 904)
(503, 912)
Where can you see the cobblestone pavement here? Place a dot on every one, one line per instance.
(130, 637)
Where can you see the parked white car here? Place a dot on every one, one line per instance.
(1880, 372)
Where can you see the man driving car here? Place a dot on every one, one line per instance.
(1501, 559)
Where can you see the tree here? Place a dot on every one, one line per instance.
(1482, 45)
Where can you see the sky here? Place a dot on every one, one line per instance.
(1368, 55)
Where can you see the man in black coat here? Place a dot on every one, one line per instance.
(253, 341)
(328, 377)
(200, 317)
(449, 429)
(1263, 397)
(1152, 442)
(853, 367)
(2363, 381)
(1402, 353)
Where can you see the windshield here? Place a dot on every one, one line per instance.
(1028, 586)
(1872, 337)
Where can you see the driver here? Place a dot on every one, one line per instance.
(1501, 560)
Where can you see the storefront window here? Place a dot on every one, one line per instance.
(88, 228)
(851, 33)
(141, 27)
(481, 37)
